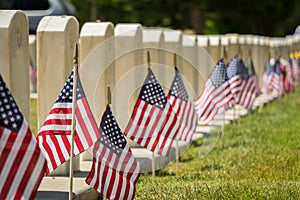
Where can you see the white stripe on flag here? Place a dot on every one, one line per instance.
(12, 156)
(34, 177)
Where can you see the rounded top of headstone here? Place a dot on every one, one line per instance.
(233, 38)
(202, 40)
(95, 28)
(56, 23)
(172, 35)
(152, 35)
(214, 40)
(289, 39)
(7, 16)
(242, 39)
(189, 40)
(127, 29)
(249, 39)
(297, 30)
(255, 40)
(261, 40)
(224, 40)
(273, 42)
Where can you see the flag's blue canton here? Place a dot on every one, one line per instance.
(152, 92)
(268, 68)
(177, 88)
(219, 75)
(111, 135)
(277, 69)
(233, 68)
(10, 115)
(244, 71)
(66, 93)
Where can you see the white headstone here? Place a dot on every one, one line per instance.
(153, 42)
(96, 52)
(56, 38)
(215, 47)
(128, 58)
(233, 45)
(173, 47)
(188, 67)
(14, 56)
(205, 61)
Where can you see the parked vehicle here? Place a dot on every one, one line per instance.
(37, 9)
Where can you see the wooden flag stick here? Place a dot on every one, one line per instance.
(225, 54)
(108, 93)
(239, 117)
(223, 124)
(153, 155)
(73, 127)
(223, 130)
(153, 164)
(148, 59)
(175, 60)
(177, 154)
(233, 121)
(176, 140)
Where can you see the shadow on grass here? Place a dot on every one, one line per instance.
(211, 167)
(160, 173)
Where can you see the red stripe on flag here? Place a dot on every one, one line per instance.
(49, 155)
(16, 164)
(62, 110)
(7, 148)
(32, 164)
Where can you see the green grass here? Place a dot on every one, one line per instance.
(33, 116)
(260, 161)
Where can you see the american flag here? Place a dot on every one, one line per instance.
(115, 171)
(234, 75)
(215, 96)
(296, 71)
(153, 124)
(183, 107)
(253, 74)
(22, 164)
(54, 137)
(288, 79)
(266, 80)
(276, 82)
(249, 86)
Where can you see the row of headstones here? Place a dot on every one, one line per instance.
(116, 56)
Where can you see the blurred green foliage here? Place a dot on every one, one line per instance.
(267, 17)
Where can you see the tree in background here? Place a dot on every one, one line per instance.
(268, 17)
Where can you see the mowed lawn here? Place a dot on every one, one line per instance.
(260, 161)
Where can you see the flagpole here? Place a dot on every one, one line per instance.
(223, 124)
(239, 116)
(233, 121)
(73, 127)
(108, 93)
(176, 140)
(177, 155)
(223, 130)
(153, 155)
(153, 164)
